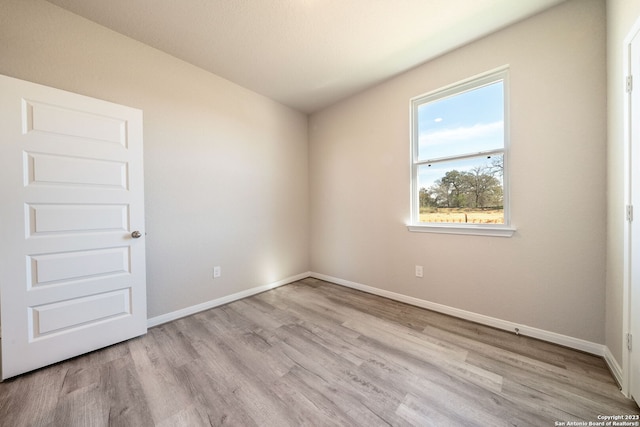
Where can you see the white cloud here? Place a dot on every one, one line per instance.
(462, 133)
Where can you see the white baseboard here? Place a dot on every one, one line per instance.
(168, 317)
(614, 366)
(553, 337)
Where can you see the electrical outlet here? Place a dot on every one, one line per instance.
(419, 271)
(217, 272)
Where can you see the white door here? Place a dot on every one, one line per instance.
(72, 271)
(634, 116)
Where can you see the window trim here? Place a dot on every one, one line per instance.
(475, 82)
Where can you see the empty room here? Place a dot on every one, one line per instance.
(319, 212)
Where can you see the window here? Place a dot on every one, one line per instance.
(459, 144)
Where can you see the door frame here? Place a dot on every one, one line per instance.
(625, 380)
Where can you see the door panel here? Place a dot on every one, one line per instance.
(72, 279)
(69, 266)
(79, 312)
(43, 169)
(64, 121)
(46, 219)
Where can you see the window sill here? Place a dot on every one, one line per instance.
(475, 230)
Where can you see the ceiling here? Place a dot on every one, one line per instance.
(306, 54)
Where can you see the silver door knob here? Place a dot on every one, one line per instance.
(136, 234)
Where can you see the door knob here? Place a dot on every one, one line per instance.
(136, 234)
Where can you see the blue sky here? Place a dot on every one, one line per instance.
(461, 124)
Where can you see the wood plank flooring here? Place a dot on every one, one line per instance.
(317, 354)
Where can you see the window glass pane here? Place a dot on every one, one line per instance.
(465, 123)
(462, 191)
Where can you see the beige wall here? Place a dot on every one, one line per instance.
(225, 168)
(621, 15)
(551, 274)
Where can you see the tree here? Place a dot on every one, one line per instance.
(456, 186)
(439, 194)
(497, 166)
(483, 187)
(425, 198)
(478, 188)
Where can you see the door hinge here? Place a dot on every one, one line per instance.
(629, 342)
(629, 84)
(629, 212)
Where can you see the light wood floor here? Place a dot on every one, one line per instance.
(312, 353)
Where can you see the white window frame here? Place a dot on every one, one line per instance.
(475, 82)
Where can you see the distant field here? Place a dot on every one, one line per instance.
(469, 216)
